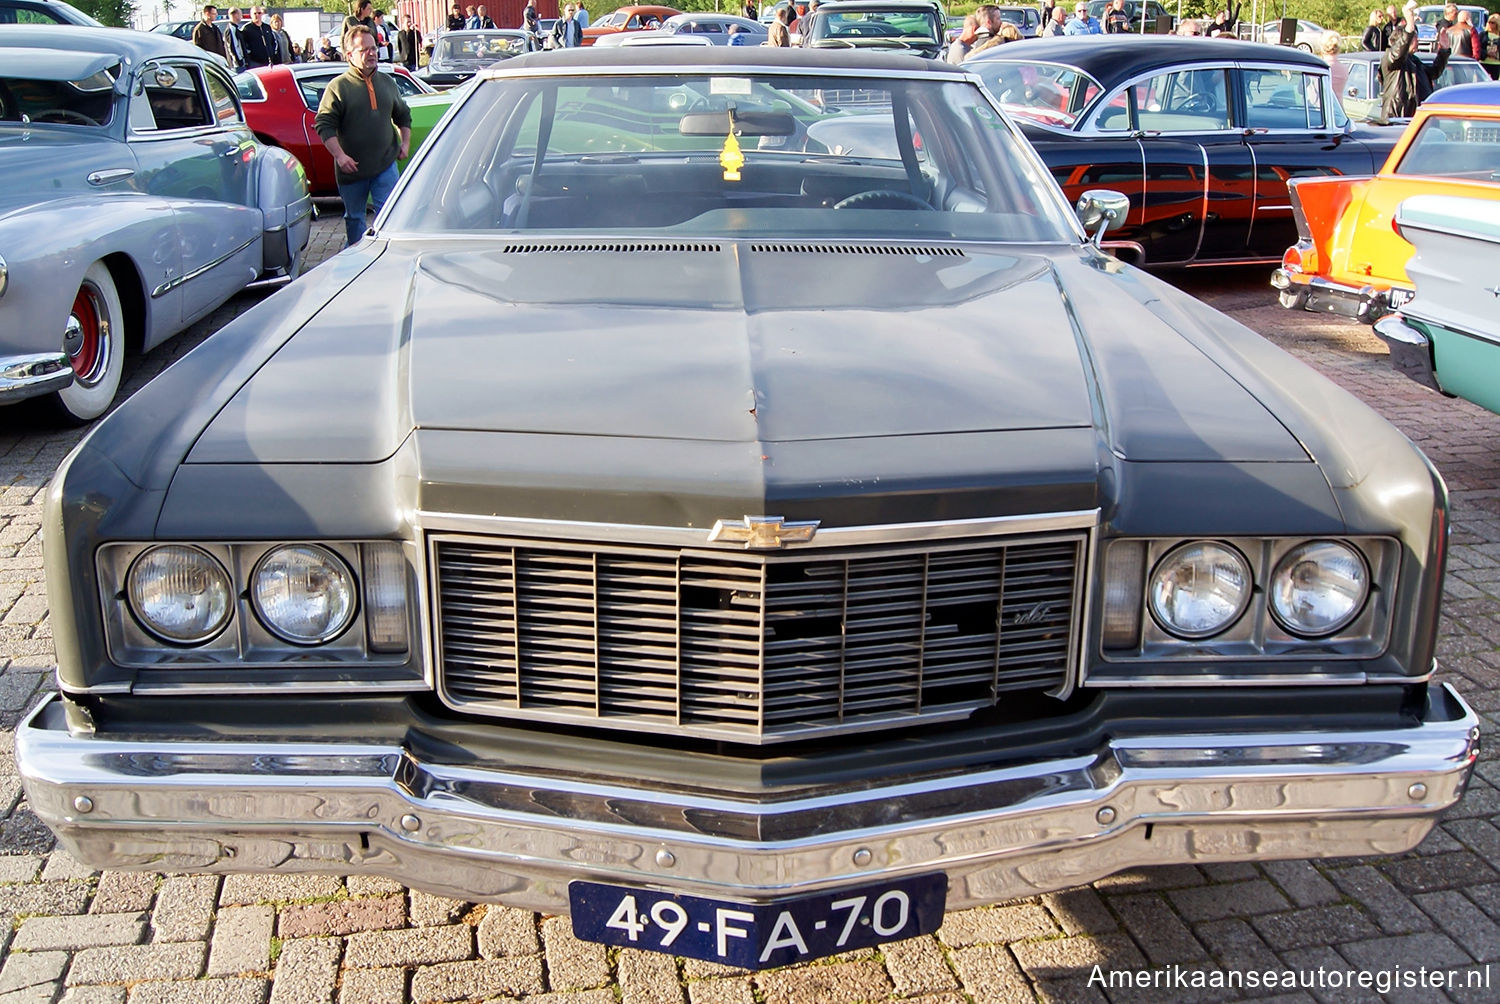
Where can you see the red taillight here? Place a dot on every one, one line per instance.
(1300, 257)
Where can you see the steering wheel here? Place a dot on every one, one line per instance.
(63, 115)
(1198, 103)
(883, 198)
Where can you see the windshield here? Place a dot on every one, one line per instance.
(1454, 147)
(456, 48)
(762, 155)
(896, 29)
(1042, 92)
(87, 102)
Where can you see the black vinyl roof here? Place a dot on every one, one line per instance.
(726, 56)
(1113, 58)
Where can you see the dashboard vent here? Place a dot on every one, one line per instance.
(896, 249)
(610, 247)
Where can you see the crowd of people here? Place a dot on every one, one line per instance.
(247, 43)
(987, 28)
(1405, 79)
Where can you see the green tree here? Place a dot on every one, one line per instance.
(111, 12)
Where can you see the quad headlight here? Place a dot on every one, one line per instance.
(1318, 588)
(179, 593)
(1199, 589)
(303, 593)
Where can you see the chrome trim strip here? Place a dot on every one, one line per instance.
(172, 284)
(30, 375)
(4, 275)
(837, 536)
(412, 685)
(517, 837)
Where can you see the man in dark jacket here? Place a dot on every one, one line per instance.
(234, 49)
(366, 126)
(408, 43)
(258, 41)
(1405, 81)
(1116, 21)
(206, 34)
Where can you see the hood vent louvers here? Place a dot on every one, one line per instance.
(885, 249)
(610, 247)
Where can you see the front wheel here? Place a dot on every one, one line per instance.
(94, 339)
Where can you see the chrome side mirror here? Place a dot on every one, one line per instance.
(1102, 209)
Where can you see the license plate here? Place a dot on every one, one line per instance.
(1401, 297)
(758, 936)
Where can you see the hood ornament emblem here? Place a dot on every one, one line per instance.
(763, 532)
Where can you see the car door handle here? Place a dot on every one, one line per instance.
(111, 176)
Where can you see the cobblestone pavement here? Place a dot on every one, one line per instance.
(81, 937)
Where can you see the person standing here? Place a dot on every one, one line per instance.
(1082, 24)
(234, 49)
(363, 16)
(1057, 24)
(408, 43)
(206, 35)
(385, 43)
(1462, 38)
(531, 22)
(1489, 44)
(959, 48)
(257, 40)
(582, 17)
(283, 40)
(1405, 81)
(366, 126)
(1374, 37)
(481, 19)
(1116, 21)
(779, 34)
(456, 18)
(572, 31)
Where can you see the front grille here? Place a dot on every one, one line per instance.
(747, 646)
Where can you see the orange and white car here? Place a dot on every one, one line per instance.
(1349, 259)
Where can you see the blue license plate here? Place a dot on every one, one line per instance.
(763, 935)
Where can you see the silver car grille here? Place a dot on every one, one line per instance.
(754, 647)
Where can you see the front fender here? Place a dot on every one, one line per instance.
(49, 247)
(285, 205)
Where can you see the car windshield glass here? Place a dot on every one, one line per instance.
(866, 28)
(87, 102)
(455, 48)
(762, 155)
(1043, 92)
(1460, 73)
(1454, 147)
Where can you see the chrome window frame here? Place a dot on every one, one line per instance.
(134, 135)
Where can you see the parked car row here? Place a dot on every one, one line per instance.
(436, 565)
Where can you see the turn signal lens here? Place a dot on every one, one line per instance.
(385, 597)
(303, 593)
(1318, 588)
(179, 593)
(1199, 589)
(1124, 581)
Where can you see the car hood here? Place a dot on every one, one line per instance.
(44, 162)
(739, 343)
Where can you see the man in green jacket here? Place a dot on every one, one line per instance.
(366, 127)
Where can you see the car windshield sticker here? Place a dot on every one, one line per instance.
(729, 85)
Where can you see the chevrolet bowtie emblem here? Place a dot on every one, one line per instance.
(761, 532)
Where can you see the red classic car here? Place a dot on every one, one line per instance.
(633, 18)
(281, 101)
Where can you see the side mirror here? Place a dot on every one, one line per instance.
(1102, 209)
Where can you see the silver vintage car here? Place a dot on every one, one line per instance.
(135, 200)
(749, 548)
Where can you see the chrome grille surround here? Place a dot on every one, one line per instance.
(753, 647)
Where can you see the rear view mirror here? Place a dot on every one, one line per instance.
(745, 124)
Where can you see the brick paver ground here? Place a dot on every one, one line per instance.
(73, 935)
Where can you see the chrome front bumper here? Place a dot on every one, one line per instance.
(492, 834)
(1300, 291)
(30, 375)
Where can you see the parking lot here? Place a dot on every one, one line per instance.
(73, 935)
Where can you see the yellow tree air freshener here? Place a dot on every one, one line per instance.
(730, 158)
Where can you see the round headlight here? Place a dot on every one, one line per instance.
(303, 593)
(1318, 588)
(1199, 589)
(179, 593)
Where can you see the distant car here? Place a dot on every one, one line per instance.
(715, 27)
(770, 12)
(1357, 78)
(654, 37)
(458, 55)
(1430, 15)
(1448, 335)
(1348, 260)
(631, 18)
(44, 12)
(135, 201)
(182, 29)
(1028, 20)
(281, 102)
(916, 27)
(1201, 133)
(1309, 37)
(1154, 10)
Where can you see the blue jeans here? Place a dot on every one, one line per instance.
(356, 193)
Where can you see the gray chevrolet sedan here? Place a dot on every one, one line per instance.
(747, 546)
